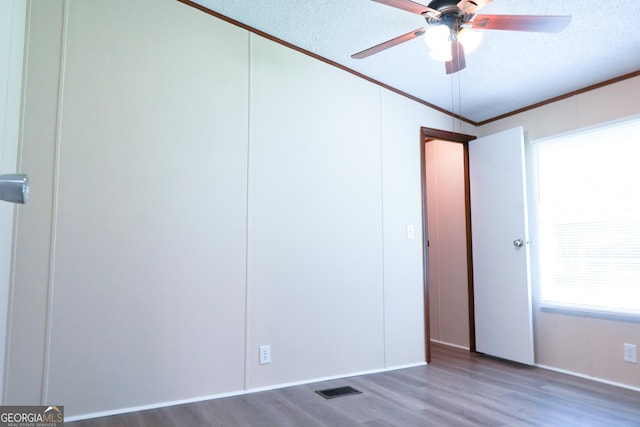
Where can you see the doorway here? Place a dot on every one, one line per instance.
(449, 313)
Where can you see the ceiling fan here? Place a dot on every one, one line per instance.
(450, 24)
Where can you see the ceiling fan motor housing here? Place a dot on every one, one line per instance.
(450, 14)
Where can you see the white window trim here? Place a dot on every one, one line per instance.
(567, 308)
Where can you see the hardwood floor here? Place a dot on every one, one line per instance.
(456, 389)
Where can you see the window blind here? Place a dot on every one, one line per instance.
(585, 219)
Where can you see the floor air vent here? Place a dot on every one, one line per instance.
(330, 393)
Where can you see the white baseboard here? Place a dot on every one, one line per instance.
(127, 410)
(335, 377)
(315, 380)
(588, 377)
(233, 393)
(562, 371)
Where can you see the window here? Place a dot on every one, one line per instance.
(585, 220)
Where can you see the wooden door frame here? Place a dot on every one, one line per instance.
(427, 135)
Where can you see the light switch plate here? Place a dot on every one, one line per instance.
(410, 232)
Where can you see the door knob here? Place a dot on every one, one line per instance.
(518, 243)
(14, 188)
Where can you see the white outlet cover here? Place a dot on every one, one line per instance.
(265, 354)
(630, 353)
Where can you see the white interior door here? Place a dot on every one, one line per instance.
(502, 291)
(12, 30)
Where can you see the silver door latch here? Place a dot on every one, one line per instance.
(14, 188)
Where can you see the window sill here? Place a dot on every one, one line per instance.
(589, 312)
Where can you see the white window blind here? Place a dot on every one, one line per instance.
(586, 220)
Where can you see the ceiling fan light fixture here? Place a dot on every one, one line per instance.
(438, 40)
(442, 53)
(470, 39)
(437, 36)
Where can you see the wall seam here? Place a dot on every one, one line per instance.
(54, 208)
(247, 222)
(382, 229)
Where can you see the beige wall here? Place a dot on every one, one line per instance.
(586, 109)
(448, 282)
(586, 346)
(199, 191)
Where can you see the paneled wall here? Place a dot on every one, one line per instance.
(315, 219)
(587, 346)
(133, 245)
(199, 191)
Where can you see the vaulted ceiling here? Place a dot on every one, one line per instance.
(510, 70)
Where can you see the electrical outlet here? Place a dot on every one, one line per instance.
(265, 354)
(630, 353)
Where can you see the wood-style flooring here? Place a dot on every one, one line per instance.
(456, 389)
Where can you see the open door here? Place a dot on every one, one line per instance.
(12, 187)
(502, 291)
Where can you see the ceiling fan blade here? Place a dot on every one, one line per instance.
(540, 24)
(472, 6)
(457, 62)
(389, 43)
(409, 6)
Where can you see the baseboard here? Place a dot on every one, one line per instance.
(130, 409)
(330, 378)
(588, 377)
(562, 371)
(448, 344)
(234, 393)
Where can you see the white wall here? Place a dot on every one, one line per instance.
(587, 346)
(130, 171)
(150, 210)
(200, 191)
(12, 30)
(401, 205)
(315, 223)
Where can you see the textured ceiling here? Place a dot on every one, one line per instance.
(510, 70)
